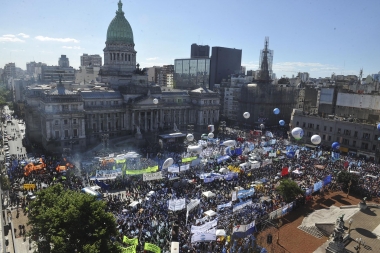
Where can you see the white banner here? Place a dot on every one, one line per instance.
(234, 197)
(184, 167)
(241, 205)
(177, 204)
(203, 237)
(229, 204)
(193, 203)
(272, 154)
(204, 227)
(210, 231)
(152, 176)
(173, 169)
(266, 162)
(107, 174)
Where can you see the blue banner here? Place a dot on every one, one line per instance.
(318, 186)
(327, 180)
(208, 179)
(223, 158)
(245, 193)
(335, 156)
(230, 176)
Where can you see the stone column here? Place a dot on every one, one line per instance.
(83, 132)
(48, 132)
(156, 123)
(133, 120)
(151, 120)
(145, 121)
(139, 123)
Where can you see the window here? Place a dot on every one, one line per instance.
(74, 121)
(366, 136)
(297, 124)
(65, 107)
(65, 121)
(109, 115)
(347, 132)
(108, 102)
(339, 130)
(330, 129)
(56, 122)
(323, 137)
(376, 137)
(115, 102)
(374, 147)
(346, 141)
(74, 107)
(317, 127)
(308, 134)
(356, 134)
(310, 125)
(324, 128)
(75, 132)
(304, 124)
(66, 133)
(354, 143)
(101, 102)
(56, 134)
(364, 145)
(329, 137)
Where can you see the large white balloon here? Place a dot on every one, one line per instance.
(210, 135)
(262, 125)
(246, 115)
(195, 149)
(155, 101)
(297, 133)
(229, 143)
(316, 139)
(168, 162)
(190, 137)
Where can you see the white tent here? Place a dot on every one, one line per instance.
(210, 213)
(150, 193)
(134, 203)
(208, 194)
(220, 232)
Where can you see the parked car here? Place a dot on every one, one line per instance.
(30, 196)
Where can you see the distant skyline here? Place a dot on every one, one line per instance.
(319, 37)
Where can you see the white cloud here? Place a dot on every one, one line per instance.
(152, 59)
(43, 38)
(25, 36)
(10, 38)
(74, 47)
(251, 65)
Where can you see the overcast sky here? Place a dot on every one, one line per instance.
(319, 37)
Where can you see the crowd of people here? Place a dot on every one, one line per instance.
(141, 207)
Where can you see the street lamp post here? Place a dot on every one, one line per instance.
(349, 186)
(360, 244)
(104, 138)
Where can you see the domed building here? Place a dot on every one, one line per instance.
(119, 53)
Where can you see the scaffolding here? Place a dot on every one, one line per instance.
(266, 60)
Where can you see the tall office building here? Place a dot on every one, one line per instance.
(94, 60)
(200, 51)
(191, 73)
(63, 62)
(224, 62)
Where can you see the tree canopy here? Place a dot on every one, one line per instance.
(68, 221)
(289, 189)
(346, 177)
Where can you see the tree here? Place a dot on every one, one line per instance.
(5, 183)
(289, 189)
(70, 221)
(346, 177)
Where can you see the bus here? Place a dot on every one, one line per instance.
(89, 190)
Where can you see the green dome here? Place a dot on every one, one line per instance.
(119, 30)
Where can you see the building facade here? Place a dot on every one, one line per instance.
(224, 62)
(93, 60)
(191, 73)
(199, 51)
(63, 62)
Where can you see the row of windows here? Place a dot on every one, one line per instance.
(66, 121)
(102, 103)
(101, 115)
(65, 107)
(66, 134)
(347, 132)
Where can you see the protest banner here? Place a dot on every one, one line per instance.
(152, 176)
(177, 204)
(133, 241)
(151, 247)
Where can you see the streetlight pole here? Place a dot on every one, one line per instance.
(105, 138)
(360, 244)
(349, 186)
(349, 226)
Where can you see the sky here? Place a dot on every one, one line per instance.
(320, 37)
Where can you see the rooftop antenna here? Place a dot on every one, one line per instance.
(360, 75)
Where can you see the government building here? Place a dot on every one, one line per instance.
(70, 116)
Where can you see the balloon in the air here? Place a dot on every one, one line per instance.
(210, 135)
(297, 133)
(276, 111)
(281, 122)
(246, 115)
(315, 139)
(190, 137)
(335, 145)
(168, 162)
